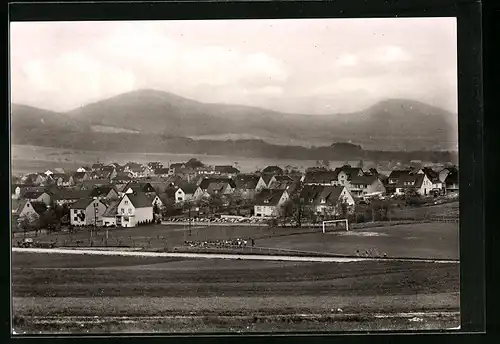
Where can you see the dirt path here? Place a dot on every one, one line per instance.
(222, 256)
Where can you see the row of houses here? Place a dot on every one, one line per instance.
(123, 199)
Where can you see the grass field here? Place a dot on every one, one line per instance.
(49, 288)
(418, 240)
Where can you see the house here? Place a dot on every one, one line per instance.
(134, 208)
(122, 178)
(100, 174)
(185, 193)
(79, 177)
(69, 196)
(269, 201)
(154, 165)
(324, 177)
(62, 179)
(327, 200)
(109, 216)
(226, 170)
(38, 196)
(446, 171)
(393, 179)
(26, 209)
(91, 183)
(84, 169)
(274, 170)
(48, 173)
(219, 188)
(176, 167)
(105, 192)
(139, 187)
(264, 182)
(451, 181)
(204, 171)
(246, 185)
(419, 182)
(346, 173)
(280, 182)
(366, 185)
(438, 187)
(161, 172)
(33, 179)
(87, 211)
(97, 166)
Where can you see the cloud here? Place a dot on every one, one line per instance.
(347, 60)
(390, 54)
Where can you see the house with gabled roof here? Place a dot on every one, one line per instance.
(87, 211)
(451, 181)
(33, 179)
(177, 167)
(155, 165)
(38, 196)
(144, 187)
(26, 209)
(91, 183)
(185, 193)
(269, 201)
(69, 196)
(104, 192)
(109, 216)
(122, 178)
(226, 170)
(347, 172)
(84, 169)
(327, 200)
(264, 181)
(246, 185)
(366, 185)
(161, 172)
(134, 208)
(62, 179)
(97, 166)
(419, 182)
(320, 177)
(79, 177)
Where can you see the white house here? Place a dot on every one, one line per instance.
(88, 211)
(38, 196)
(263, 182)
(327, 199)
(24, 208)
(134, 209)
(109, 216)
(365, 185)
(269, 201)
(420, 182)
(185, 193)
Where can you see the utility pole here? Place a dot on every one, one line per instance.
(95, 218)
(189, 212)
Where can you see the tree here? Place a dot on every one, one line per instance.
(360, 164)
(194, 163)
(411, 197)
(286, 210)
(326, 163)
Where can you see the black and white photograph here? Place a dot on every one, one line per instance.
(234, 176)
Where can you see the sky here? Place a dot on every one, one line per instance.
(313, 66)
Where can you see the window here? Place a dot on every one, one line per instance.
(129, 211)
(179, 198)
(123, 211)
(27, 205)
(126, 202)
(75, 218)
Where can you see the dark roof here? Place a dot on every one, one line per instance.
(33, 194)
(269, 197)
(396, 174)
(273, 169)
(189, 188)
(82, 203)
(247, 181)
(162, 170)
(216, 187)
(267, 178)
(140, 187)
(98, 165)
(39, 207)
(207, 181)
(415, 180)
(170, 192)
(79, 175)
(320, 177)
(101, 190)
(363, 179)
(350, 171)
(452, 178)
(122, 176)
(18, 205)
(313, 194)
(95, 182)
(226, 169)
(177, 165)
(71, 194)
(283, 178)
(139, 200)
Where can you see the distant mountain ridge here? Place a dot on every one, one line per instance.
(393, 124)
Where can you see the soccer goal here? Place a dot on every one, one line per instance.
(336, 225)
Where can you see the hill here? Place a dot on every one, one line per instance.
(391, 124)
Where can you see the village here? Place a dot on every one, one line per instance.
(112, 195)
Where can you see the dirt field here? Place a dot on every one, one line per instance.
(50, 286)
